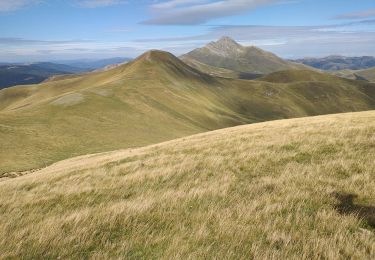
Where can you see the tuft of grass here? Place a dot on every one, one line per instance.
(274, 190)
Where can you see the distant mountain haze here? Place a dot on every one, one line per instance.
(33, 73)
(339, 62)
(23, 74)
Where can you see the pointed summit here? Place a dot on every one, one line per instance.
(224, 45)
(227, 54)
(227, 41)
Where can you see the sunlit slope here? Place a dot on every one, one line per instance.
(366, 74)
(147, 101)
(275, 190)
(155, 98)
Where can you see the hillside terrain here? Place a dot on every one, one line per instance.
(339, 62)
(287, 189)
(366, 74)
(23, 74)
(227, 58)
(155, 98)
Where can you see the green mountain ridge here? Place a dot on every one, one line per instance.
(154, 98)
(336, 63)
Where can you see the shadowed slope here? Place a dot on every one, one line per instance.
(260, 191)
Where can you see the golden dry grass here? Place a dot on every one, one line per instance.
(262, 191)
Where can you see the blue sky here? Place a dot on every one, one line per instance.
(36, 30)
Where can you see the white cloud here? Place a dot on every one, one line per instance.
(99, 3)
(177, 3)
(11, 5)
(188, 12)
(357, 15)
(290, 41)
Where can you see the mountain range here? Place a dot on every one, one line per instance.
(339, 62)
(223, 58)
(32, 73)
(158, 159)
(154, 98)
(21, 74)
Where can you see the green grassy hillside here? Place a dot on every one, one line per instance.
(288, 189)
(155, 98)
(366, 74)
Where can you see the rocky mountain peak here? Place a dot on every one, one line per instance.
(225, 46)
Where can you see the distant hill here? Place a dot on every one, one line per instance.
(155, 98)
(234, 59)
(23, 74)
(33, 73)
(366, 74)
(339, 62)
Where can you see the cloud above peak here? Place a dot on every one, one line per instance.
(192, 12)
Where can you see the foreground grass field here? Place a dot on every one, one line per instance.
(289, 189)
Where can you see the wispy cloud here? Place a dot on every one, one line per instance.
(99, 3)
(290, 41)
(12, 5)
(190, 12)
(9, 41)
(21, 50)
(177, 3)
(357, 15)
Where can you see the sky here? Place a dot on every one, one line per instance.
(47, 30)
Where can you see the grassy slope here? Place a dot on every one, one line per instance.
(366, 74)
(129, 106)
(153, 99)
(263, 191)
